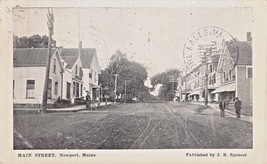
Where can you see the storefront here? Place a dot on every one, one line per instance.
(226, 92)
(95, 92)
(194, 95)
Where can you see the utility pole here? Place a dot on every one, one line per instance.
(206, 80)
(173, 88)
(207, 51)
(50, 24)
(185, 99)
(125, 87)
(172, 80)
(115, 90)
(101, 92)
(125, 91)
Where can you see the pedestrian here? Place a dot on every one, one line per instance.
(222, 106)
(238, 104)
(88, 101)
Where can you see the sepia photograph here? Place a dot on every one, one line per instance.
(132, 78)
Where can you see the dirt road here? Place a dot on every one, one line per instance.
(162, 125)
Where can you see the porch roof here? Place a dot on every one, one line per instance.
(95, 86)
(225, 88)
(196, 92)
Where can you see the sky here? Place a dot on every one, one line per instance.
(154, 37)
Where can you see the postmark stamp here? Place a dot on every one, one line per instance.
(205, 46)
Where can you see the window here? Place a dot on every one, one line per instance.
(30, 88)
(76, 70)
(230, 74)
(90, 74)
(210, 68)
(49, 89)
(95, 77)
(233, 74)
(249, 72)
(224, 77)
(68, 90)
(81, 72)
(56, 88)
(203, 93)
(73, 91)
(81, 89)
(54, 65)
(77, 90)
(214, 78)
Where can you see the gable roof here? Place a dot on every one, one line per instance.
(69, 55)
(87, 55)
(244, 52)
(35, 57)
(31, 57)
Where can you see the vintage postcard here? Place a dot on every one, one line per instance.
(133, 82)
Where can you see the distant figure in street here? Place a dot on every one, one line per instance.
(88, 101)
(222, 106)
(238, 104)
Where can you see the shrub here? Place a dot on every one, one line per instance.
(80, 100)
(62, 103)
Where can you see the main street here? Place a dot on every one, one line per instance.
(150, 125)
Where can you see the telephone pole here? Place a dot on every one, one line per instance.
(185, 99)
(207, 51)
(206, 80)
(115, 90)
(50, 24)
(172, 79)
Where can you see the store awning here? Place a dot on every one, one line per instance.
(188, 92)
(95, 86)
(226, 88)
(194, 93)
(212, 87)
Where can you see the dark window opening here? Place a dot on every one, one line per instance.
(249, 73)
(56, 88)
(30, 88)
(49, 89)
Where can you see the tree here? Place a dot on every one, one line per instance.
(135, 74)
(34, 41)
(107, 82)
(118, 62)
(164, 78)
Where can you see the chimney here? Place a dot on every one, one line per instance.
(249, 38)
(80, 48)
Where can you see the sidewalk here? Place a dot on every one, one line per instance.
(77, 108)
(69, 109)
(230, 113)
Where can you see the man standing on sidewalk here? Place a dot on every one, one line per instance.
(222, 106)
(238, 104)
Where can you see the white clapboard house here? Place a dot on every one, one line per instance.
(73, 72)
